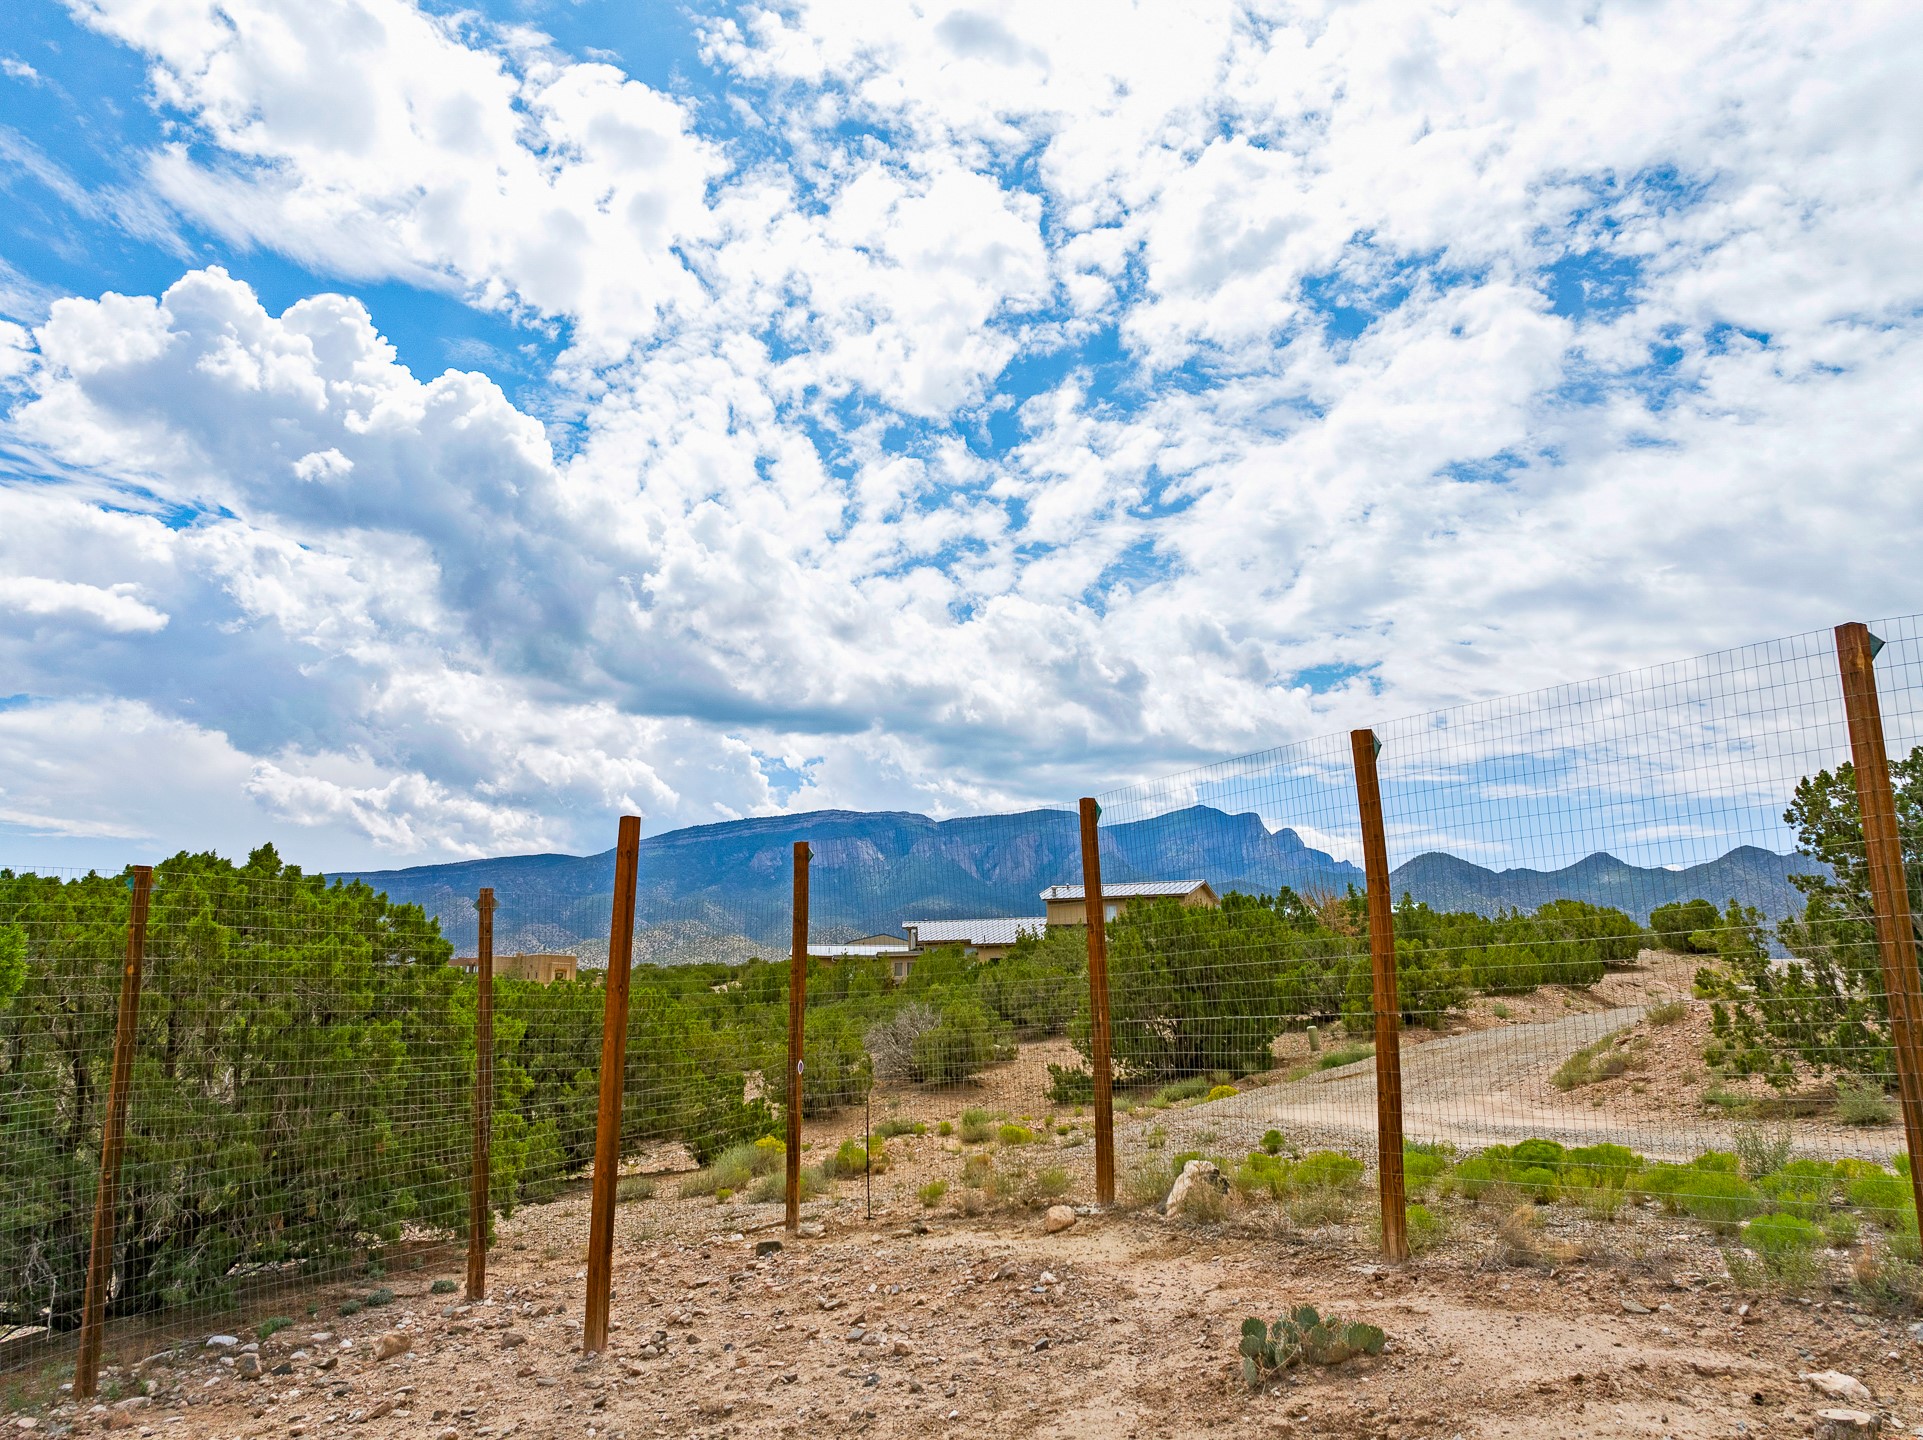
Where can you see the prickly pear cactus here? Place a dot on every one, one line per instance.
(1303, 1334)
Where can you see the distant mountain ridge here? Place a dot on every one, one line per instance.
(721, 891)
(1748, 874)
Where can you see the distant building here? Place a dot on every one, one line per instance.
(541, 969)
(1068, 904)
(991, 937)
(898, 950)
(986, 939)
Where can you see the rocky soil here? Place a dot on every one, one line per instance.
(1119, 1325)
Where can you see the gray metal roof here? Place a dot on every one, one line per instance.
(995, 931)
(1128, 889)
(829, 952)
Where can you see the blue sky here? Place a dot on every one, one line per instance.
(427, 432)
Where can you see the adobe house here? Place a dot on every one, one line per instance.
(541, 969)
(1067, 904)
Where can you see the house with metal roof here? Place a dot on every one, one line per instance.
(899, 950)
(984, 939)
(1068, 904)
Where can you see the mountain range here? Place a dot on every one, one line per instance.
(722, 891)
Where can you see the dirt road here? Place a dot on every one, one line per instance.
(1486, 1087)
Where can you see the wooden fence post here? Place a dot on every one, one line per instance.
(1094, 912)
(614, 1056)
(1388, 1008)
(797, 1011)
(113, 1135)
(1889, 889)
(479, 1207)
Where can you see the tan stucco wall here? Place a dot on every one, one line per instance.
(1075, 912)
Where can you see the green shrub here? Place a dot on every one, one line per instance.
(1221, 1092)
(1721, 1097)
(1664, 1183)
(1787, 1247)
(977, 1171)
(350, 1307)
(1261, 1175)
(811, 1182)
(1272, 1141)
(1070, 1085)
(1325, 1170)
(1605, 1059)
(1880, 1196)
(382, 1296)
(1666, 1012)
(975, 1125)
(1781, 1234)
(1761, 1150)
(1538, 1182)
(1686, 927)
(1840, 1228)
(1530, 1154)
(1474, 1176)
(442, 1287)
(1425, 1230)
(1144, 1184)
(1862, 1102)
(1016, 1135)
(1851, 1168)
(633, 1187)
(1192, 1088)
(1051, 1182)
(277, 1323)
(1420, 1170)
(723, 1195)
(896, 1125)
(1613, 1165)
(947, 1127)
(1804, 1188)
(931, 1193)
(853, 1158)
(1343, 1055)
(1720, 1199)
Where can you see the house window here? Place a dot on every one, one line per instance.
(1110, 909)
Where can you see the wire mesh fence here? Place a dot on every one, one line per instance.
(1642, 955)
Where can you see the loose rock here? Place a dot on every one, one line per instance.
(1058, 1219)
(1837, 1385)
(1195, 1174)
(394, 1342)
